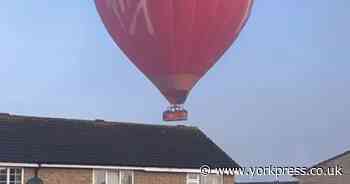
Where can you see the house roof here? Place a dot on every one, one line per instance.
(331, 159)
(81, 142)
(325, 162)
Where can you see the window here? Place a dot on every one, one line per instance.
(3, 176)
(210, 179)
(193, 178)
(112, 177)
(126, 177)
(11, 176)
(99, 177)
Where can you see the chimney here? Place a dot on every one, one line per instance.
(5, 116)
(99, 120)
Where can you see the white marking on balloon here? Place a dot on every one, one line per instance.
(142, 8)
(120, 7)
(113, 4)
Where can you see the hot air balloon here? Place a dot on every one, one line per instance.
(174, 42)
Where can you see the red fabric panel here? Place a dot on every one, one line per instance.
(174, 42)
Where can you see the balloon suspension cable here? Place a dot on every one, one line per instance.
(175, 112)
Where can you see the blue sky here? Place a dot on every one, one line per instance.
(280, 95)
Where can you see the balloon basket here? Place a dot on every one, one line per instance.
(175, 113)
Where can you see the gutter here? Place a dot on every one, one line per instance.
(146, 169)
(10, 164)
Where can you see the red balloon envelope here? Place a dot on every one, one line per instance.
(174, 42)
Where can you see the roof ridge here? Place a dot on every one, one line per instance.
(8, 116)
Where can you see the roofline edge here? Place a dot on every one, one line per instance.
(147, 169)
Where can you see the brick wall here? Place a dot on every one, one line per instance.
(229, 180)
(61, 176)
(343, 161)
(84, 176)
(159, 178)
(167, 178)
